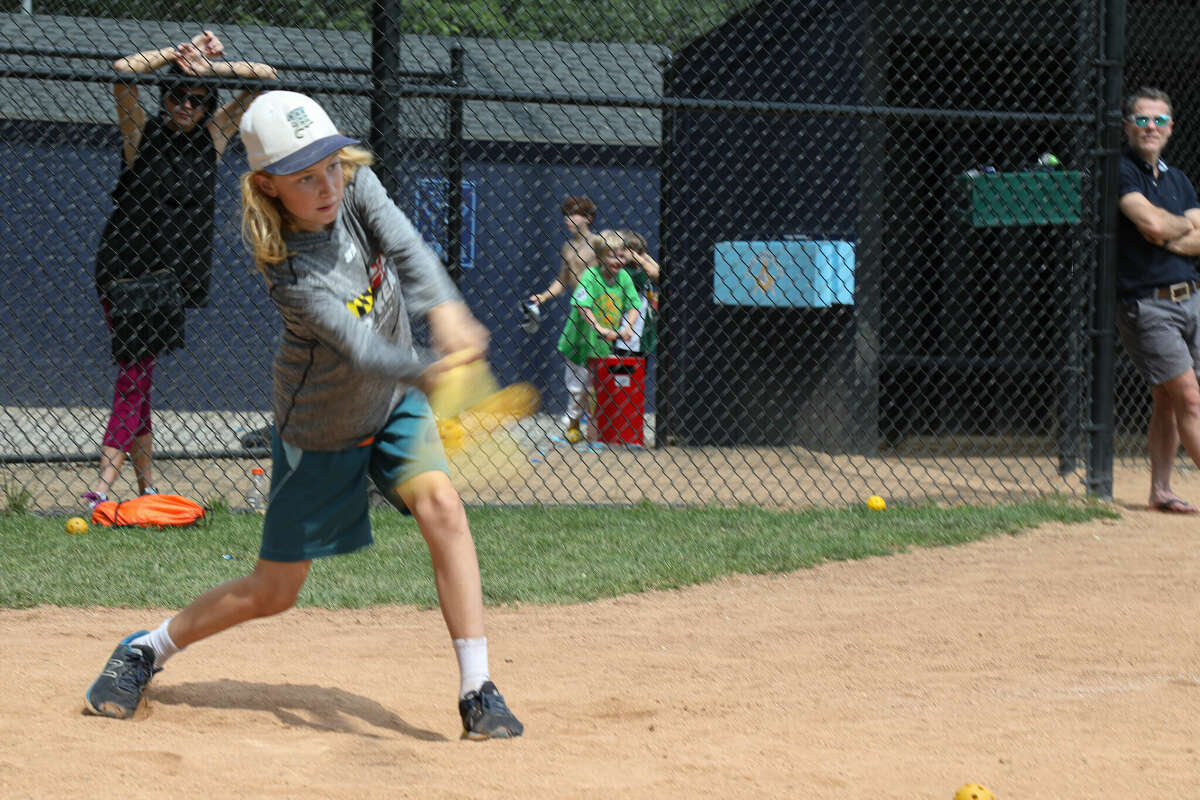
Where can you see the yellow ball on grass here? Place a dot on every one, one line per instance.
(77, 525)
(876, 503)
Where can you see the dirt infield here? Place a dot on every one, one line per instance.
(1062, 663)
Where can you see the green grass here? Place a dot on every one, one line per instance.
(527, 555)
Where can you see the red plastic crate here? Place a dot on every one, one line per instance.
(620, 386)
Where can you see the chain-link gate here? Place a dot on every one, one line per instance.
(876, 225)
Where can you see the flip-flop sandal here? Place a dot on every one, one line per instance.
(1174, 506)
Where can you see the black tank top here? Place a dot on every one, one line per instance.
(163, 210)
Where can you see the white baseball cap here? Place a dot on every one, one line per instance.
(285, 132)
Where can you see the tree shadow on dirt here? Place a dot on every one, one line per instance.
(321, 708)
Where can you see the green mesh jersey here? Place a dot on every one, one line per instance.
(609, 302)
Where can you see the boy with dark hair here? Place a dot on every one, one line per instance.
(576, 254)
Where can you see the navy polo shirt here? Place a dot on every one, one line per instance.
(1141, 266)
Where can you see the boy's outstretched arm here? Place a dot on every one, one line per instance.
(455, 330)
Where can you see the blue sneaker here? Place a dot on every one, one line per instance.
(485, 715)
(118, 690)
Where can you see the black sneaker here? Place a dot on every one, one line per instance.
(485, 716)
(118, 689)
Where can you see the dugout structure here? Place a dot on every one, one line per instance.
(854, 123)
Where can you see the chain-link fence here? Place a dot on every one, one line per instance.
(873, 279)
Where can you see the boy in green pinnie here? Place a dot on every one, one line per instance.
(604, 308)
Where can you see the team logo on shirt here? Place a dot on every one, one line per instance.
(606, 310)
(362, 305)
(376, 271)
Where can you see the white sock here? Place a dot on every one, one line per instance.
(160, 642)
(472, 664)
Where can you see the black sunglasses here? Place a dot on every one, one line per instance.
(182, 97)
(1142, 120)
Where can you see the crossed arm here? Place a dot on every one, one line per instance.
(1173, 232)
(1189, 243)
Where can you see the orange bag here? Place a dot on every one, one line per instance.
(148, 511)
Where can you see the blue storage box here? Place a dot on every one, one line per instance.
(784, 274)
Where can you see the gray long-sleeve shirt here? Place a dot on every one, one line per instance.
(346, 352)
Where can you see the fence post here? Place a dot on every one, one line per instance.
(454, 170)
(1112, 64)
(385, 98)
(1073, 383)
(667, 222)
(869, 246)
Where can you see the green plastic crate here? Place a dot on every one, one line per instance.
(1006, 199)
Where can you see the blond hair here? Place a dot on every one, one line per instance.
(605, 242)
(265, 220)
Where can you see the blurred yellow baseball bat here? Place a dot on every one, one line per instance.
(474, 416)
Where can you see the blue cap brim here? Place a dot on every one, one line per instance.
(308, 155)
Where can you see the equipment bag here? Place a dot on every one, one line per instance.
(147, 315)
(148, 511)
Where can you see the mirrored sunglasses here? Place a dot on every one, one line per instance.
(1142, 120)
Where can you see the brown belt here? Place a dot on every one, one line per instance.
(1177, 291)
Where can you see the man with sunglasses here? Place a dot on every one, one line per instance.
(161, 225)
(1158, 316)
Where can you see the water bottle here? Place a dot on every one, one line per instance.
(257, 498)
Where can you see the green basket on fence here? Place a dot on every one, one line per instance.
(1006, 199)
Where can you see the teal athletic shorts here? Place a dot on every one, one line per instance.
(318, 504)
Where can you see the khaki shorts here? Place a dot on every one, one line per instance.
(1161, 336)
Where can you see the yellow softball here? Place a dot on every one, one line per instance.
(876, 503)
(77, 525)
(973, 791)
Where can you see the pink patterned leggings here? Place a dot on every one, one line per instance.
(131, 404)
(130, 415)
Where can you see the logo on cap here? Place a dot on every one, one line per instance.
(299, 120)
